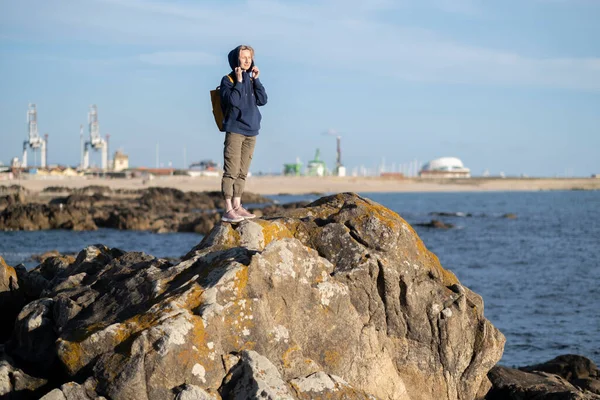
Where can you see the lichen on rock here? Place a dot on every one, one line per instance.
(340, 299)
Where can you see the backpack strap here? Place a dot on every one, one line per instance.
(230, 78)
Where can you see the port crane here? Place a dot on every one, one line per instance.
(35, 141)
(96, 142)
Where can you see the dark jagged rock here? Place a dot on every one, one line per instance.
(16, 384)
(31, 217)
(57, 189)
(564, 377)
(11, 189)
(52, 253)
(568, 366)
(11, 199)
(156, 209)
(434, 223)
(75, 391)
(450, 214)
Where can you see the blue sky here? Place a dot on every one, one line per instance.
(508, 86)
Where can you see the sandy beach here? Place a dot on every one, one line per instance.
(271, 185)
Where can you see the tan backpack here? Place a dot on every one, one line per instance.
(215, 99)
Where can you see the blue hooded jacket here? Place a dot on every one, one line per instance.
(240, 100)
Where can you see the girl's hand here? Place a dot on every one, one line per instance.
(238, 73)
(255, 72)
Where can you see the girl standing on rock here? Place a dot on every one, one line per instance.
(241, 93)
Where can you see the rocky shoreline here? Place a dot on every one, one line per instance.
(153, 209)
(336, 300)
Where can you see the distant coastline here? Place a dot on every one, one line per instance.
(273, 185)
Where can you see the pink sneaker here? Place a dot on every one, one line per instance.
(232, 216)
(242, 212)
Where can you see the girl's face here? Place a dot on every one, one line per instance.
(245, 59)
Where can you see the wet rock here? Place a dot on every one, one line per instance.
(568, 366)
(57, 189)
(514, 384)
(450, 214)
(52, 253)
(434, 223)
(510, 216)
(31, 217)
(93, 190)
(11, 189)
(128, 219)
(156, 209)
(253, 198)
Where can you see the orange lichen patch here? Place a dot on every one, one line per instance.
(237, 314)
(287, 356)
(250, 345)
(200, 354)
(448, 277)
(387, 216)
(72, 356)
(273, 231)
(241, 281)
(430, 259)
(331, 358)
(140, 322)
(233, 238)
(193, 298)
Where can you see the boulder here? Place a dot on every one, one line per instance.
(434, 223)
(33, 338)
(11, 299)
(32, 217)
(514, 384)
(16, 384)
(75, 391)
(566, 377)
(568, 366)
(340, 299)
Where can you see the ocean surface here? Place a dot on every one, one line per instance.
(539, 274)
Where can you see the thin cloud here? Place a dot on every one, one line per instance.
(466, 7)
(179, 58)
(322, 34)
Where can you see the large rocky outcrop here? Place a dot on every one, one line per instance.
(339, 300)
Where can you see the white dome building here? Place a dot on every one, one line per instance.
(445, 167)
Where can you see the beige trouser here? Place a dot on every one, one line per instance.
(238, 155)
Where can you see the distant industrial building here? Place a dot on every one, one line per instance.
(445, 167)
(120, 161)
(316, 167)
